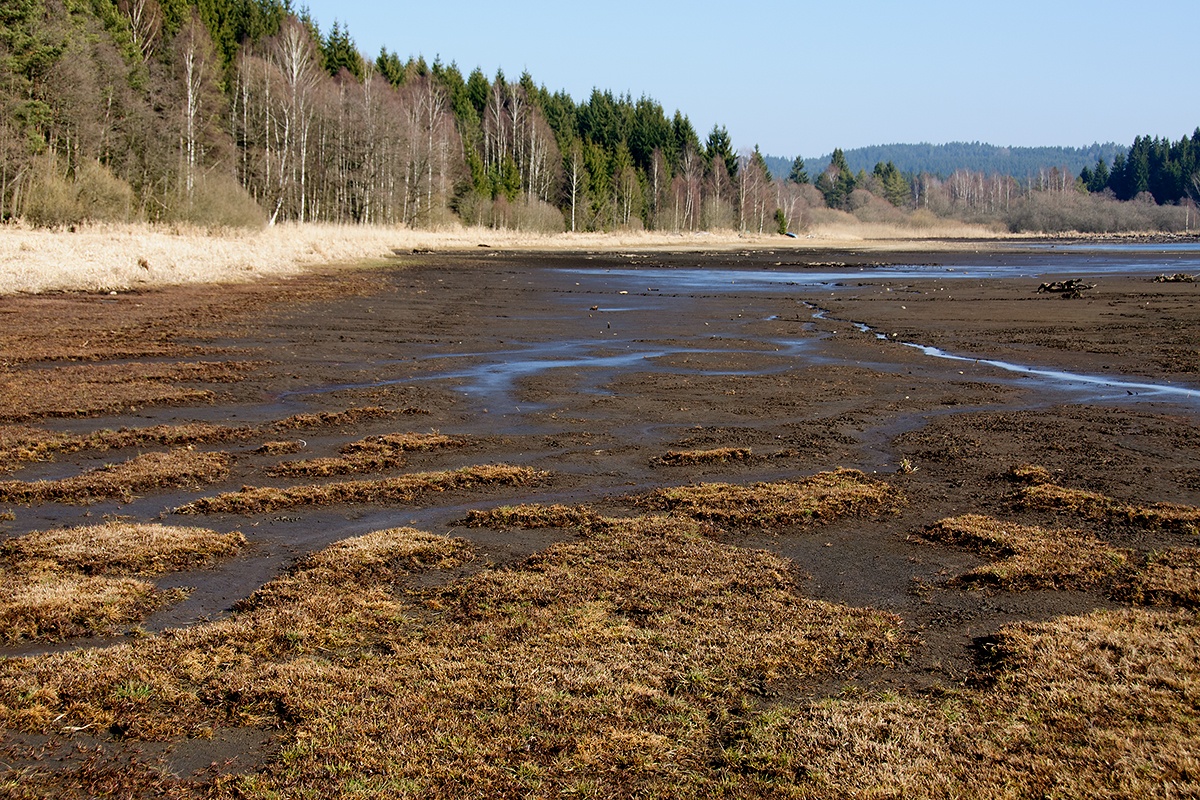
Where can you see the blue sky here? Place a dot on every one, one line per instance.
(803, 78)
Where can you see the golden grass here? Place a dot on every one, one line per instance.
(640, 660)
(401, 490)
(609, 667)
(374, 454)
(49, 604)
(183, 467)
(820, 498)
(531, 516)
(1099, 507)
(1031, 557)
(1095, 706)
(79, 581)
(720, 455)
(111, 257)
(20, 444)
(123, 548)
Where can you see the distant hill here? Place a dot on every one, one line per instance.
(943, 159)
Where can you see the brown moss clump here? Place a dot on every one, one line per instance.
(720, 455)
(374, 454)
(1099, 507)
(279, 448)
(821, 498)
(402, 490)
(86, 390)
(182, 467)
(123, 548)
(80, 581)
(334, 419)
(1031, 557)
(531, 516)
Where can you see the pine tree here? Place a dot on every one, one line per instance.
(799, 174)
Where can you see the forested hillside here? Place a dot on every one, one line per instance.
(943, 159)
(221, 110)
(241, 112)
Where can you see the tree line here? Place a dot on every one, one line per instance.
(233, 112)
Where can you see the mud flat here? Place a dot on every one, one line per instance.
(747, 522)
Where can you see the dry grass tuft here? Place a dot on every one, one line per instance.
(123, 548)
(1095, 506)
(1030, 473)
(720, 455)
(179, 468)
(49, 604)
(374, 454)
(530, 517)
(73, 582)
(1061, 558)
(1166, 578)
(21, 444)
(820, 498)
(403, 489)
(1031, 557)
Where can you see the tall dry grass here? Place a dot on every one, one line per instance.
(117, 257)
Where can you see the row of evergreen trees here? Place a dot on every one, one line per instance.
(213, 109)
(1168, 171)
(239, 111)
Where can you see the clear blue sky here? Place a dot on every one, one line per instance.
(802, 78)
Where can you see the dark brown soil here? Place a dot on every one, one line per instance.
(597, 377)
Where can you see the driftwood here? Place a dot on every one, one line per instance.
(1069, 289)
(1178, 277)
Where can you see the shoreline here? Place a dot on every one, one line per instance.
(107, 258)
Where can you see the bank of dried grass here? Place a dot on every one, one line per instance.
(608, 667)
(1102, 508)
(86, 580)
(402, 489)
(373, 454)
(531, 516)
(820, 498)
(183, 467)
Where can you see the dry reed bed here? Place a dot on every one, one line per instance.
(373, 454)
(80, 581)
(820, 497)
(113, 257)
(402, 489)
(183, 467)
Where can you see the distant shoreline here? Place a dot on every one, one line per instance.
(107, 258)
